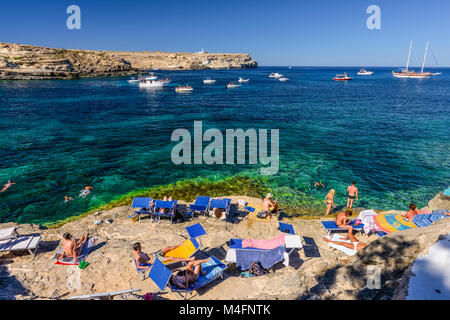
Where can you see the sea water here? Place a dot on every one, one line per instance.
(389, 135)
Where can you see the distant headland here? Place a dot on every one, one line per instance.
(26, 62)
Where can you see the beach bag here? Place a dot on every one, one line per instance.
(256, 269)
(262, 214)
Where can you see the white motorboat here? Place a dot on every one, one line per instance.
(233, 85)
(364, 72)
(209, 81)
(146, 83)
(275, 75)
(241, 80)
(282, 79)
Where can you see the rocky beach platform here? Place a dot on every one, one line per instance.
(315, 272)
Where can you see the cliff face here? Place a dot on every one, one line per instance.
(32, 62)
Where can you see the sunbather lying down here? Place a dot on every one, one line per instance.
(184, 278)
(145, 260)
(354, 245)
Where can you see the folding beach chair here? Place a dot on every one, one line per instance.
(21, 242)
(144, 205)
(201, 205)
(8, 233)
(196, 231)
(213, 270)
(103, 296)
(224, 204)
(140, 269)
(171, 206)
(330, 226)
(186, 250)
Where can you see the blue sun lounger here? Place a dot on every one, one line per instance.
(170, 205)
(161, 275)
(143, 203)
(196, 231)
(224, 204)
(330, 226)
(201, 205)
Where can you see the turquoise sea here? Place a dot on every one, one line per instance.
(390, 135)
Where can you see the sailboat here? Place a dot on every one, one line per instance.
(405, 73)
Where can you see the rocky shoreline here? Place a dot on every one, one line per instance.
(316, 272)
(26, 62)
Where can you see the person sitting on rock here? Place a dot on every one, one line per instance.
(72, 247)
(184, 278)
(268, 205)
(354, 245)
(145, 260)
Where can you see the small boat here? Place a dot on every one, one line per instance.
(243, 80)
(233, 85)
(436, 73)
(182, 89)
(342, 77)
(275, 75)
(282, 79)
(209, 81)
(364, 72)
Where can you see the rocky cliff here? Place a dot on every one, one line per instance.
(32, 62)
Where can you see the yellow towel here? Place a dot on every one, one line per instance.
(184, 251)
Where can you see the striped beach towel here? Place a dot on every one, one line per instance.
(424, 220)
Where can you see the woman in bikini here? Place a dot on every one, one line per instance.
(342, 222)
(329, 200)
(354, 245)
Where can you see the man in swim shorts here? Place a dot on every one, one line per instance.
(352, 193)
(145, 260)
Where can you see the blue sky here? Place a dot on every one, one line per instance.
(284, 32)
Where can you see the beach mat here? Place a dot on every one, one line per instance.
(392, 221)
(424, 220)
(85, 250)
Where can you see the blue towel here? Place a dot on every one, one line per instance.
(267, 258)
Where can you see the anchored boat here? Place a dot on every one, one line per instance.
(342, 77)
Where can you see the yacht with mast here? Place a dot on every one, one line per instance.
(406, 73)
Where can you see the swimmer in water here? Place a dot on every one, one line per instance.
(67, 198)
(7, 186)
(86, 191)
